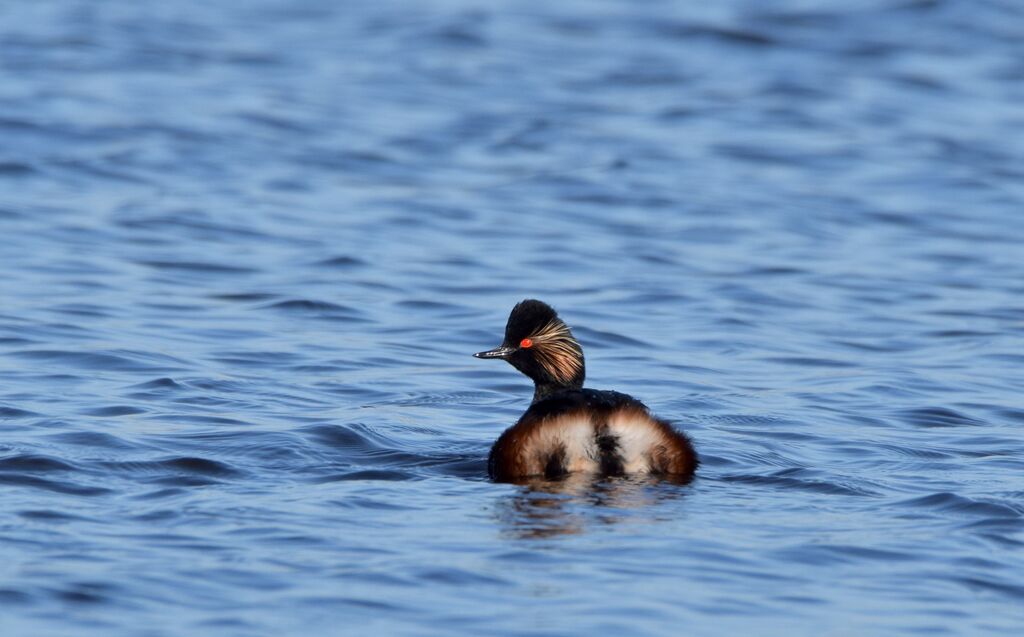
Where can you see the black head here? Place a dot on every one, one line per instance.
(540, 345)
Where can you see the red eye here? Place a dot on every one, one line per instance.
(526, 343)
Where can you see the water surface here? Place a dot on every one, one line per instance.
(248, 250)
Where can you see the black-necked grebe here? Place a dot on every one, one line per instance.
(568, 429)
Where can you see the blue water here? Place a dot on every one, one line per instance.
(248, 248)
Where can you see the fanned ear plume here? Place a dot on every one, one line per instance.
(558, 351)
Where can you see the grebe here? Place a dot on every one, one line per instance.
(569, 429)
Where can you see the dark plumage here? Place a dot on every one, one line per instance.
(567, 428)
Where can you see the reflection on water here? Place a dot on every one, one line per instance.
(571, 505)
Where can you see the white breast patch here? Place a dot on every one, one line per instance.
(636, 436)
(574, 434)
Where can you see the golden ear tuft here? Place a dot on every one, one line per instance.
(558, 351)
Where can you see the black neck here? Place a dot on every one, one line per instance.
(543, 390)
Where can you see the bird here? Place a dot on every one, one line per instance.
(569, 429)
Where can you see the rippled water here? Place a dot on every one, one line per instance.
(248, 250)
